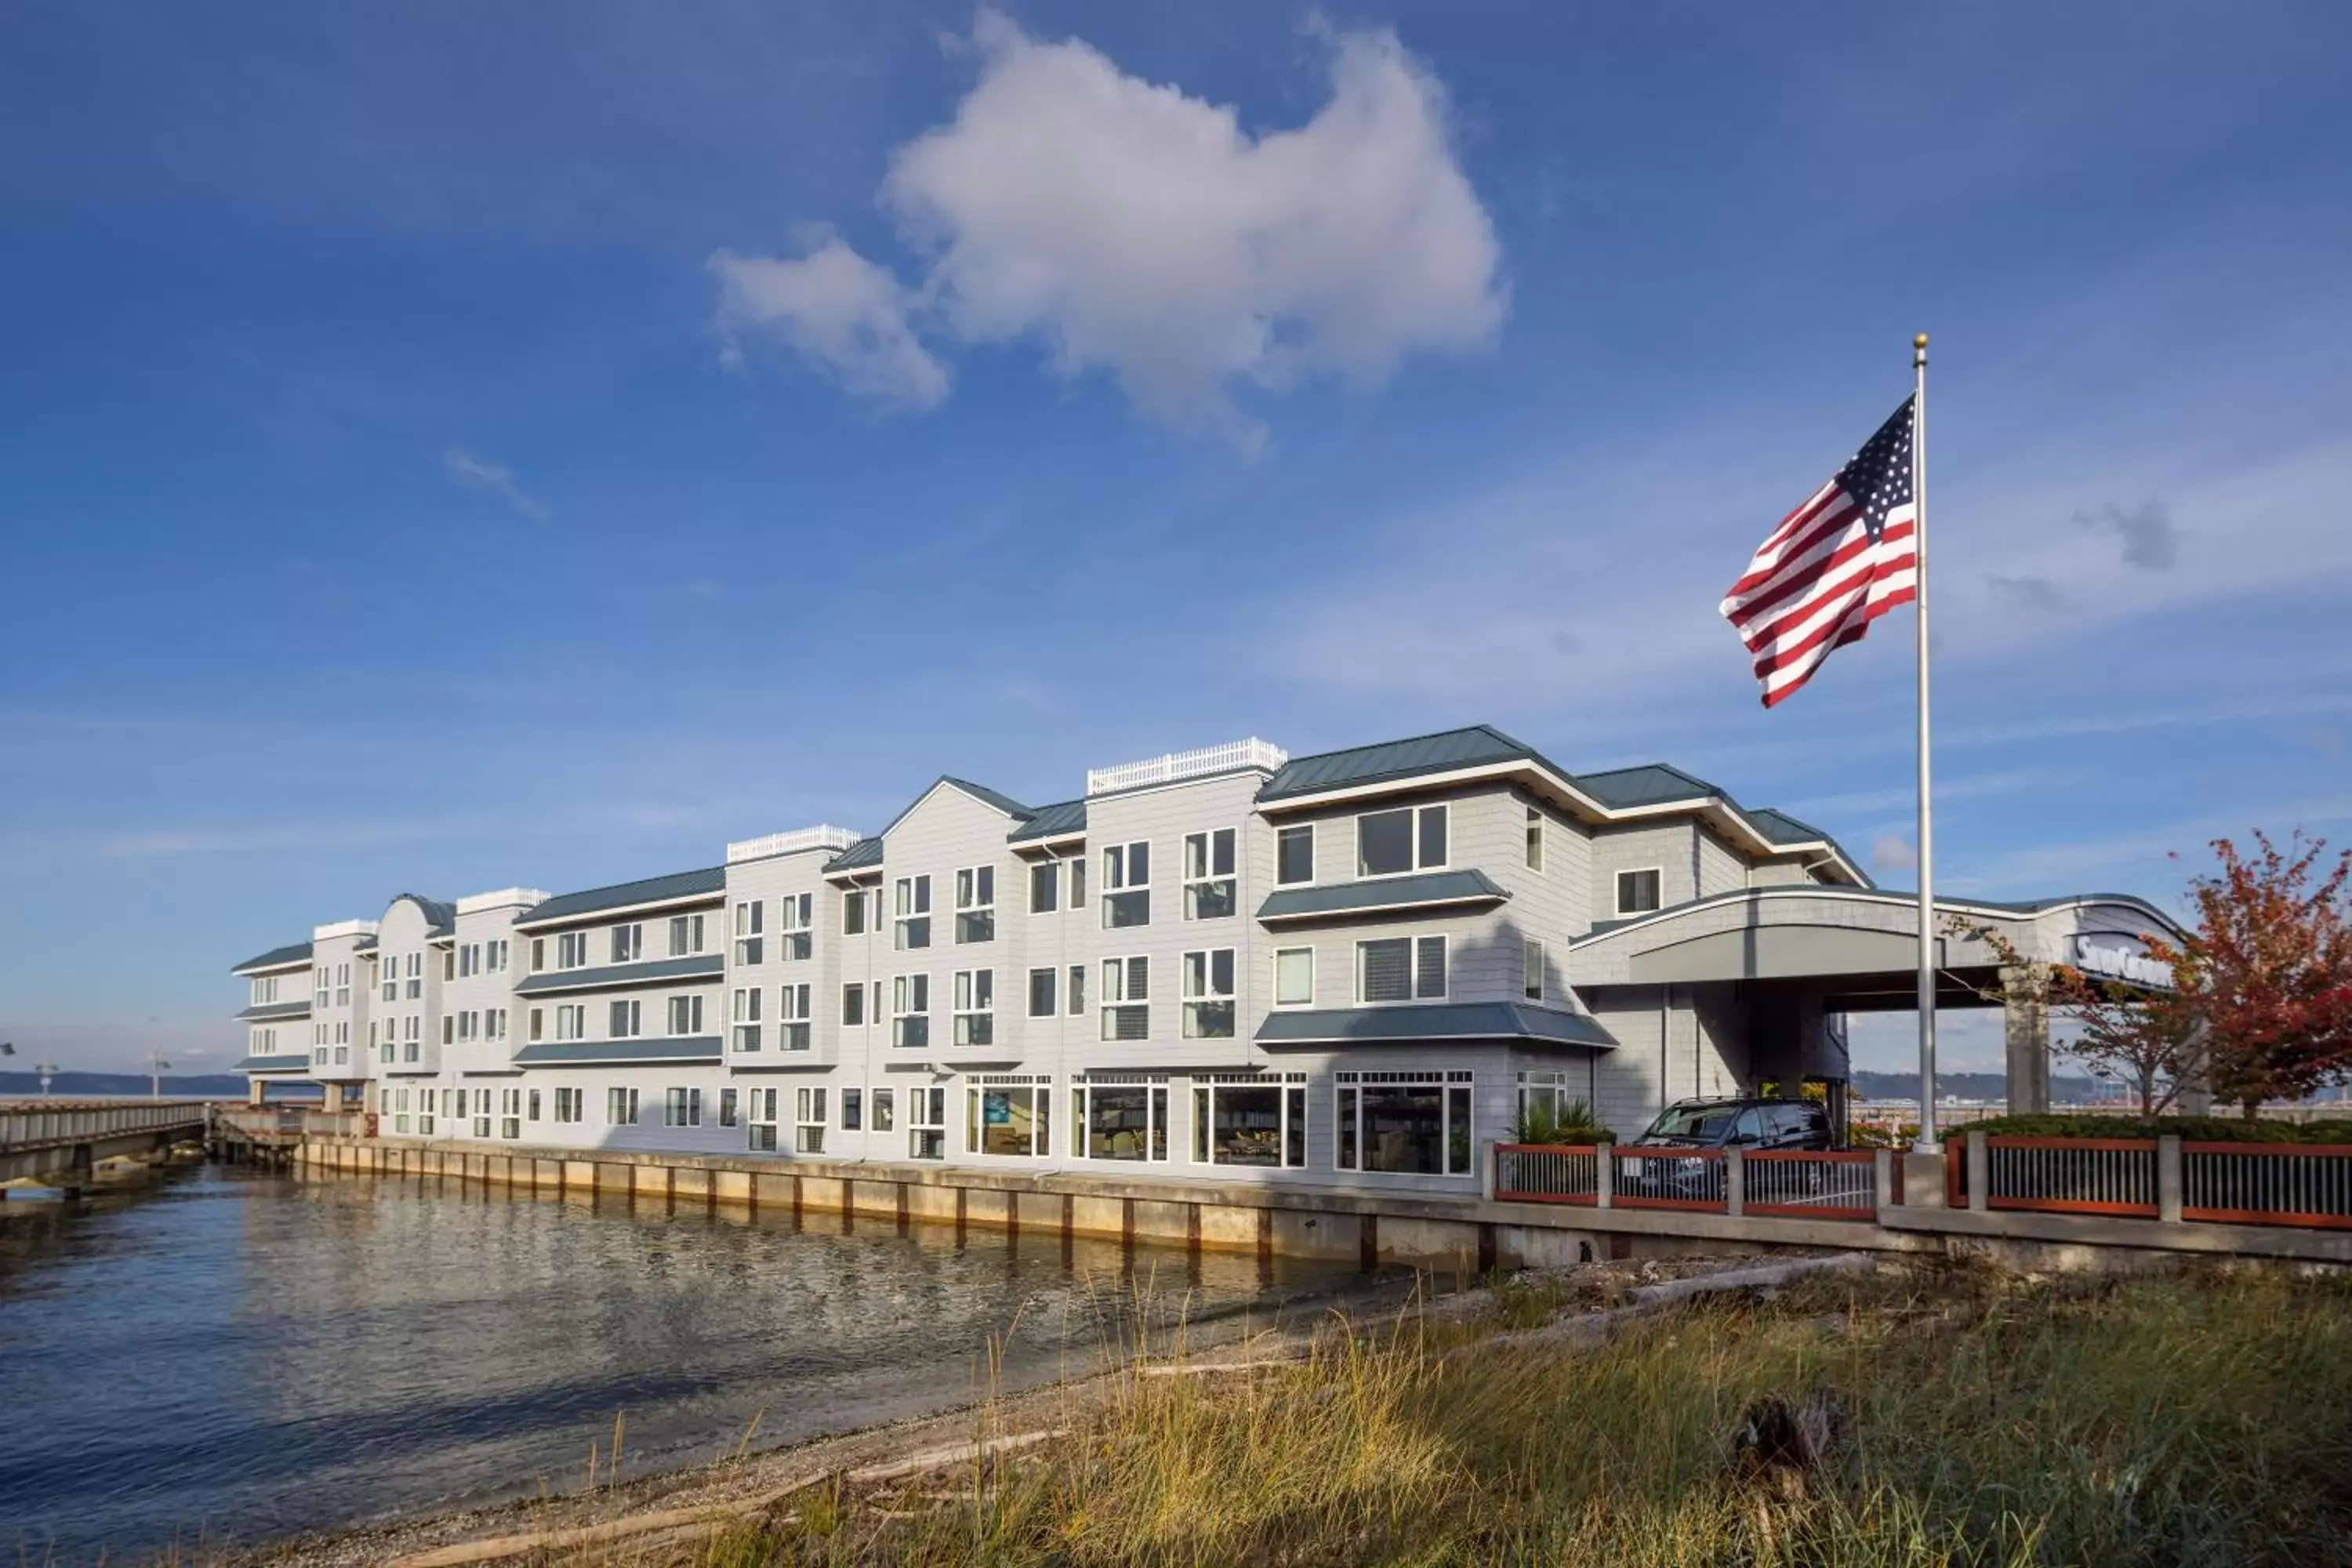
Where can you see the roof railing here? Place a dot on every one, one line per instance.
(825, 835)
(342, 928)
(504, 898)
(1205, 759)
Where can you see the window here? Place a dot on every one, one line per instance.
(449, 1028)
(1077, 880)
(319, 991)
(342, 985)
(853, 1110)
(762, 1110)
(1531, 970)
(1077, 999)
(468, 958)
(1009, 1114)
(538, 1024)
(628, 943)
(795, 939)
(1045, 888)
(853, 913)
(449, 972)
(626, 1020)
(853, 1006)
(510, 1112)
(914, 918)
(495, 956)
(1637, 891)
(793, 1018)
(1535, 839)
(389, 967)
(926, 1123)
(910, 1011)
(1126, 992)
(682, 1108)
(976, 904)
(728, 1114)
(1546, 1102)
(1209, 995)
(538, 960)
(1116, 1116)
(571, 950)
(750, 918)
(808, 1119)
(685, 1016)
(416, 975)
(1250, 1118)
(975, 1007)
(1209, 881)
(1041, 993)
(1401, 969)
(571, 1021)
(621, 1107)
(1411, 838)
(570, 1105)
(1126, 886)
(1294, 854)
(264, 990)
(883, 1106)
(466, 1023)
(685, 935)
(747, 1017)
(1293, 977)
(1402, 1122)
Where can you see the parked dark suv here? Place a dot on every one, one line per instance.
(1745, 1124)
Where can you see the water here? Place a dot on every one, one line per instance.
(237, 1356)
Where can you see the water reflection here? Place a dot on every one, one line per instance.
(248, 1356)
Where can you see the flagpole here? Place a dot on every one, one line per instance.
(1928, 1143)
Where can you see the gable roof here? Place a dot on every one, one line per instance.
(709, 881)
(1649, 784)
(1052, 822)
(1440, 753)
(997, 798)
(277, 958)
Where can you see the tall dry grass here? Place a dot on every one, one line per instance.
(2198, 1420)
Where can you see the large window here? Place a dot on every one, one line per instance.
(750, 922)
(913, 895)
(1637, 891)
(793, 1018)
(1401, 969)
(1250, 1118)
(808, 1119)
(926, 1123)
(1209, 881)
(1415, 1123)
(1411, 838)
(1118, 1116)
(621, 1107)
(685, 1016)
(795, 935)
(748, 1026)
(628, 943)
(1294, 854)
(571, 953)
(1126, 998)
(685, 935)
(1209, 995)
(1293, 977)
(1550, 1099)
(762, 1108)
(1040, 992)
(1126, 886)
(1044, 887)
(625, 1020)
(975, 1007)
(976, 904)
(570, 1105)
(571, 1021)
(1010, 1113)
(910, 1011)
(682, 1108)
(264, 990)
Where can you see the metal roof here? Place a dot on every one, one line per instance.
(439, 913)
(273, 1012)
(1649, 784)
(297, 1062)
(653, 971)
(1052, 822)
(601, 1053)
(1418, 891)
(1442, 752)
(709, 882)
(997, 798)
(285, 957)
(865, 852)
(1781, 828)
(1443, 1021)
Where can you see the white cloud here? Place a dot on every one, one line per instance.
(1130, 228)
(493, 479)
(837, 309)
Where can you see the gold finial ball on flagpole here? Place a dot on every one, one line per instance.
(1919, 341)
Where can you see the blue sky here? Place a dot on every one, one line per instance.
(445, 447)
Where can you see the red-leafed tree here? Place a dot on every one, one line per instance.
(2151, 1039)
(2269, 969)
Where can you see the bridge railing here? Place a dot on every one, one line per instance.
(268, 1120)
(23, 1126)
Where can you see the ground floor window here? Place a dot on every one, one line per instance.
(481, 1111)
(621, 1107)
(682, 1108)
(1549, 1102)
(510, 1112)
(1114, 1116)
(882, 1108)
(853, 1111)
(926, 1123)
(425, 1112)
(1250, 1118)
(570, 1105)
(764, 1120)
(400, 1111)
(808, 1119)
(1010, 1113)
(727, 1116)
(1413, 1123)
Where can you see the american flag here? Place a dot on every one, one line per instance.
(1835, 564)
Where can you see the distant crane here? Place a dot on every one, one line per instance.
(48, 1071)
(156, 1066)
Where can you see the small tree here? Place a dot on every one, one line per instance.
(2151, 1039)
(2272, 962)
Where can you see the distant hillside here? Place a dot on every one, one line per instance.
(188, 1085)
(2063, 1091)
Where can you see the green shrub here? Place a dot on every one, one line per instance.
(2195, 1129)
(1538, 1123)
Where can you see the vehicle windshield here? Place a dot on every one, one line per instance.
(1707, 1123)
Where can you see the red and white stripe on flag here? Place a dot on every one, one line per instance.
(1823, 576)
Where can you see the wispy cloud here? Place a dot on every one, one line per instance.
(2042, 866)
(493, 479)
(2151, 539)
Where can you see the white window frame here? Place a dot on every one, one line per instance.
(976, 905)
(1416, 958)
(974, 1010)
(910, 913)
(1283, 832)
(682, 1106)
(927, 1121)
(1039, 1087)
(911, 1004)
(1414, 864)
(1053, 973)
(854, 1014)
(570, 1105)
(685, 936)
(621, 1099)
(1119, 883)
(1207, 876)
(750, 928)
(1531, 970)
(855, 909)
(628, 938)
(571, 1020)
(1121, 994)
(1158, 1111)
(1046, 877)
(792, 1023)
(809, 1118)
(1657, 871)
(1291, 1132)
(1535, 848)
(685, 1014)
(795, 938)
(1197, 990)
(1279, 999)
(762, 1115)
(624, 1019)
(1347, 1131)
(745, 1036)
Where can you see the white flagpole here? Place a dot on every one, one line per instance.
(1928, 1143)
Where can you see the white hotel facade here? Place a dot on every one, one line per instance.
(1354, 968)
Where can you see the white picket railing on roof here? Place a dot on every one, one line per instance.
(504, 898)
(342, 928)
(822, 836)
(1250, 753)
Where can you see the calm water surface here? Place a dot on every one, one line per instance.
(241, 1356)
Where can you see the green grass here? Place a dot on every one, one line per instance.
(2196, 1419)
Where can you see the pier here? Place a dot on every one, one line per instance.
(67, 1139)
